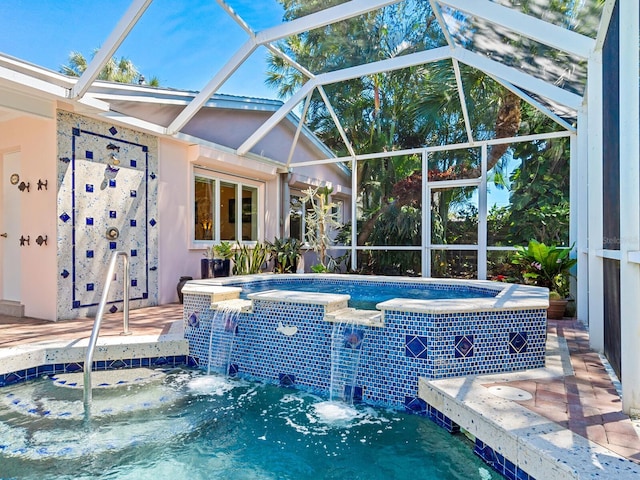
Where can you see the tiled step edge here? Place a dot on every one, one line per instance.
(108, 348)
(536, 445)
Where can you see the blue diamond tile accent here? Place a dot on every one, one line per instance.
(75, 132)
(145, 148)
(72, 367)
(113, 245)
(134, 282)
(64, 217)
(133, 163)
(145, 295)
(89, 220)
(76, 304)
(152, 222)
(415, 405)
(113, 130)
(88, 154)
(133, 193)
(463, 346)
(132, 223)
(518, 342)
(134, 253)
(353, 338)
(113, 309)
(415, 346)
(88, 188)
(112, 184)
(193, 320)
(90, 287)
(89, 253)
(152, 176)
(287, 379)
(64, 274)
(112, 214)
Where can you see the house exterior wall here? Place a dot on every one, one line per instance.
(35, 139)
(103, 176)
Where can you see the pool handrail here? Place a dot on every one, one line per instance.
(87, 397)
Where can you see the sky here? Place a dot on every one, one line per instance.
(182, 43)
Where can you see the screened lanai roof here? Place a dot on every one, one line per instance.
(528, 47)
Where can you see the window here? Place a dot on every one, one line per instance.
(297, 217)
(224, 210)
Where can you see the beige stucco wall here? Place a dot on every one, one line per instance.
(35, 139)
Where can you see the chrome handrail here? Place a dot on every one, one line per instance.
(88, 361)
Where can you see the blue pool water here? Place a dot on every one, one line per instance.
(212, 427)
(365, 295)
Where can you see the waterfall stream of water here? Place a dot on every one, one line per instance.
(346, 345)
(223, 332)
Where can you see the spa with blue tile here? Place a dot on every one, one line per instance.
(287, 338)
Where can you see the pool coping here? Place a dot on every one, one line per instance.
(510, 296)
(34, 355)
(535, 444)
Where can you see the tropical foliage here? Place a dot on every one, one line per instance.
(120, 70)
(546, 266)
(322, 224)
(285, 253)
(420, 106)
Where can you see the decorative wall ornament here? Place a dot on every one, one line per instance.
(41, 240)
(15, 178)
(24, 186)
(24, 241)
(42, 184)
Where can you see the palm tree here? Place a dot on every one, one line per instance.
(120, 71)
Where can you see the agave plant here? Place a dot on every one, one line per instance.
(249, 259)
(546, 266)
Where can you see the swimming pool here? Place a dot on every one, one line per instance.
(365, 294)
(215, 427)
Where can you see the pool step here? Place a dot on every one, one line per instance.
(38, 399)
(372, 318)
(109, 378)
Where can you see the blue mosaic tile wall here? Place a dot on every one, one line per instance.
(410, 345)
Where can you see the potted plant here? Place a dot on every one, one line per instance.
(217, 261)
(547, 266)
(285, 253)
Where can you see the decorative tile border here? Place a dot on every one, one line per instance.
(12, 378)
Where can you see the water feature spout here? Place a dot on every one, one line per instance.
(224, 327)
(346, 345)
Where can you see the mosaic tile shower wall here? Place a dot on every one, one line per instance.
(107, 197)
(410, 345)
